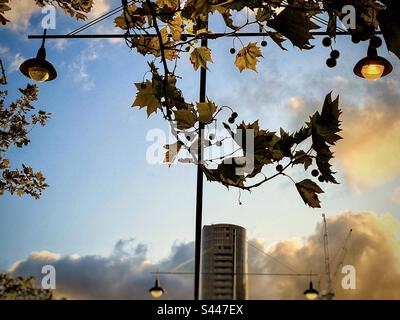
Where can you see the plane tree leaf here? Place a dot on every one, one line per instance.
(309, 191)
(246, 58)
(295, 25)
(185, 119)
(146, 98)
(206, 111)
(200, 56)
(325, 128)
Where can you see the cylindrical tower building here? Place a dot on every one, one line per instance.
(224, 263)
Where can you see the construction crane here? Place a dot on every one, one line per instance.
(329, 293)
(341, 255)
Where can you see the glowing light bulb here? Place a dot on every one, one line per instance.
(38, 73)
(156, 293)
(311, 296)
(311, 293)
(373, 72)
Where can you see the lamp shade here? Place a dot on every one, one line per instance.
(39, 69)
(156, 291)
(373, 68)
(311, 293)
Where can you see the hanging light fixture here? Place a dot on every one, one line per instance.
(39, 69)
(156, 291)
(373, 67)
(311, 293)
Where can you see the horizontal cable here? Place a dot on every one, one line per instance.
(240, 273)
(209, 36)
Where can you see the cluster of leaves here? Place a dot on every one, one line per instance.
(16, 121)
(21, 288)
(183, 24)
(270, 148)
(183, 27)
(76, 8)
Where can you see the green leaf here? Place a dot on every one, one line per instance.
(146, 97)
(309, 191)
(200, 56)
(171, 4)
(185, 119)
(206, 111)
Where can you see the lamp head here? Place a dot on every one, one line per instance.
(156, 291)
(373, 67)
(311, 293)
(39, 69)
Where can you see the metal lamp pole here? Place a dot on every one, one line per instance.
(199, 192)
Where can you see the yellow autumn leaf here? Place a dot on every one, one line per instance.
(171, 4)
(200, 7)
(247, 57)
(4, 164)
(146, 98)
(20, 192)
(206, 111)
(175, 26)
(200, 56)
(129, 19)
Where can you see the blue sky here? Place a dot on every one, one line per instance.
(92, 151)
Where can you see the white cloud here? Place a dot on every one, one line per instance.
(396, 196)
(296, 103)
(126, 273)
(99, 8)
(22, 11)
(20, 14)
(44, 255)
(16, 62)
(80, 66)
(59, 44)
(4, 50)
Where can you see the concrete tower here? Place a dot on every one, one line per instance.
(224, 262)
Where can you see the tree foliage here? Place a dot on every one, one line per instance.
(21, 288)
(167, 30)
(16, 122)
